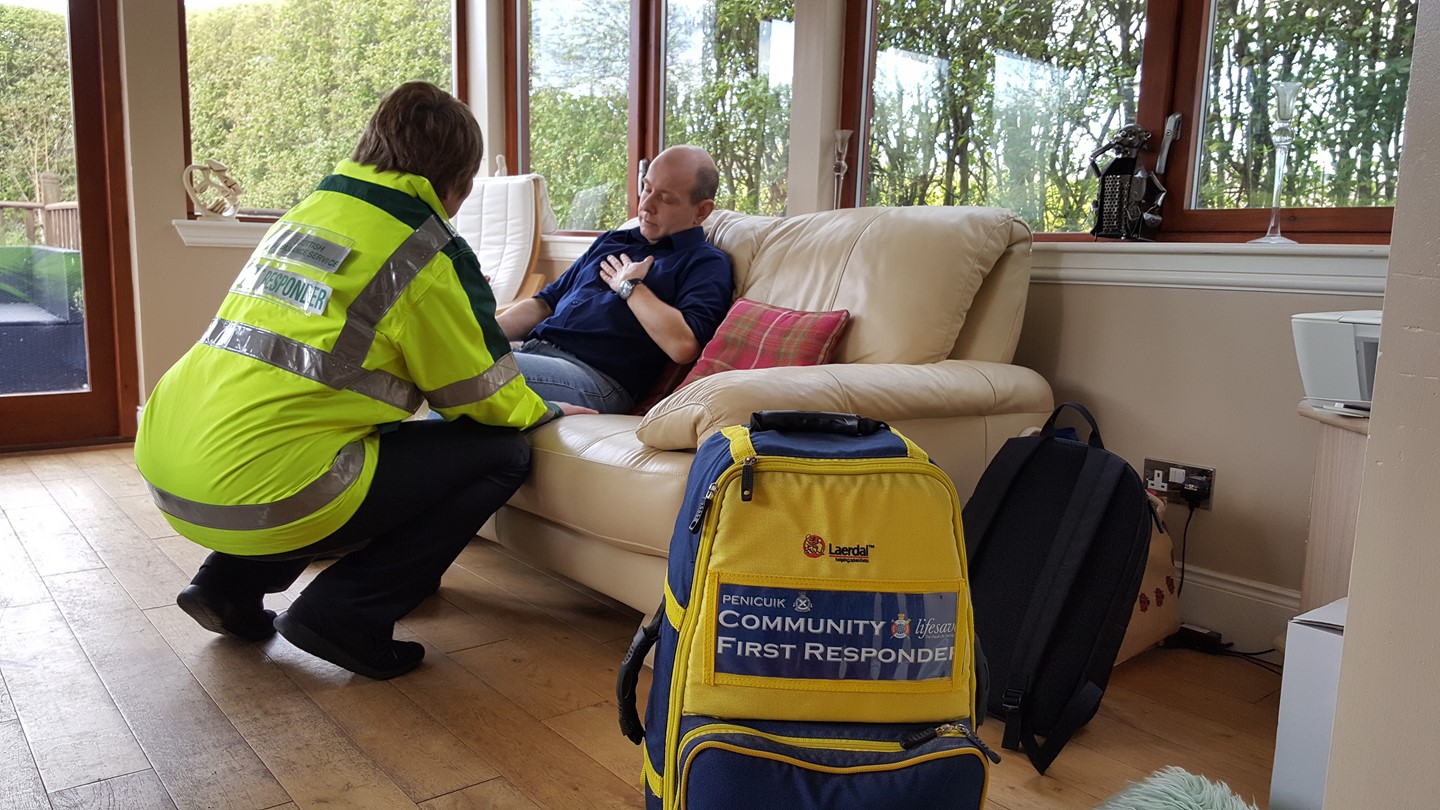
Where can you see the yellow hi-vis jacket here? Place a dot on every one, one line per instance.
(359, 304)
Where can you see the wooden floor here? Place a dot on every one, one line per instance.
(113, 698)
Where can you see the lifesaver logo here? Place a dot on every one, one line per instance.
(814, 546)
(900, 628)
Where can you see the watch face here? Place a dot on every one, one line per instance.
(626, 287)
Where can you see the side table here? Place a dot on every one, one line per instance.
(1334, 505)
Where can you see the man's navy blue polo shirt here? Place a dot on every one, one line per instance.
(592, 323)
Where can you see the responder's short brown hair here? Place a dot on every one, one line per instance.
(420, 129)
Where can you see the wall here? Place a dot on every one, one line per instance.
(177, 289)
(1205, 376)
(1384, 751)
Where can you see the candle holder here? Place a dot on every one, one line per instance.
(1282, 136)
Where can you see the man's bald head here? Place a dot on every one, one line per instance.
(701, 165)
(678, 191)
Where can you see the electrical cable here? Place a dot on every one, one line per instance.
(1184, 542)
(1256, 653)
(1268, 666)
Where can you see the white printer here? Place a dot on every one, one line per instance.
(1337, 353)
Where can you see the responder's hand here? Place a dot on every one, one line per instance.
(566, 409)
(555, 410)
(617, 268)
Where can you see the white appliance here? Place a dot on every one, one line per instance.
(1337, 353)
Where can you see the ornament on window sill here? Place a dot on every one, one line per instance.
(211, 189)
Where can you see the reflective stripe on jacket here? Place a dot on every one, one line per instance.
(360, 304)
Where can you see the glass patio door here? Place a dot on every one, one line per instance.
(60, 218)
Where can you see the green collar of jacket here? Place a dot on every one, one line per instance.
(411, 184)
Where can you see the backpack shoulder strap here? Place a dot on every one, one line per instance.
(994, 485)
(1078, 709)
(993, 488)
(1099, 476)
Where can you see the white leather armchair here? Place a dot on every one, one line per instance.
(502, 220)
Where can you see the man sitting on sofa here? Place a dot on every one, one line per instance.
(603, 333)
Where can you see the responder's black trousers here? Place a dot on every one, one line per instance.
(435, 484)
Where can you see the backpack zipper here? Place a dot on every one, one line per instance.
(923, 736)
(704, 506)
(747, 478)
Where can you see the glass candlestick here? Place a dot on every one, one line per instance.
(1282, 136)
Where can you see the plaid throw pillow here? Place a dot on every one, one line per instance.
(756, 335)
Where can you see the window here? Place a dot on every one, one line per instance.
(280, 90)
(67, 331)
(578, 104)
(603, 85)
(999, 104)
(727, 88)
(1002, 104)
(1350, 77)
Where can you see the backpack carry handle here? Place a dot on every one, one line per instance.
(842, 424)
(1049, 430)
(634, 661)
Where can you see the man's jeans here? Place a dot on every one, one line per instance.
(559, 376)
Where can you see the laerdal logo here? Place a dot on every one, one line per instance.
(814, 545)
(859, 554)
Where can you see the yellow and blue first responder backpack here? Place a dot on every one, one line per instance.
(816, 646)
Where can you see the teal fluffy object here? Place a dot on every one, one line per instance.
(1175, 788)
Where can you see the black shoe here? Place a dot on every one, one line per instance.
(381, 659)
(220, 615)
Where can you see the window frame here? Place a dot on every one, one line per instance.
(1172, 71)
(646, 129)
(1329, 225)
(106, 410)
(646, 91)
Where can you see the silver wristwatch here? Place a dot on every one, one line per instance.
(628, 286)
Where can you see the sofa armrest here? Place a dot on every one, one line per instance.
(889, 392)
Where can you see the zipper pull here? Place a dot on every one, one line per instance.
(916, 739)
(704, 507)
(747, 478)
(979, 743)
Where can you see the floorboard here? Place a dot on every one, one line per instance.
(75, 732)
(111, 697)
(192, 746)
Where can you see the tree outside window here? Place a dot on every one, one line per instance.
(37, 136)
(1352, 61)
(728, 73)
(999, 103)
(280, 91)
(1002, 102)
(579, 91)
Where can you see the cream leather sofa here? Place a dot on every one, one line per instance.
(936, 296)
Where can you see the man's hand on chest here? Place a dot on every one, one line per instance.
(618, 269)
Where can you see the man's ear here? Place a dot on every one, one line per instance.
(704, 211)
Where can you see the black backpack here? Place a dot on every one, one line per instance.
(1057, 533)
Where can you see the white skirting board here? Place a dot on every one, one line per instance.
(1253, 615)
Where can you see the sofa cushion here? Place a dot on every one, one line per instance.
(756, 335)
(591, 472)
(907, 275)
(889, 392)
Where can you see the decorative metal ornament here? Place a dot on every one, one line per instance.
(212, 190)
